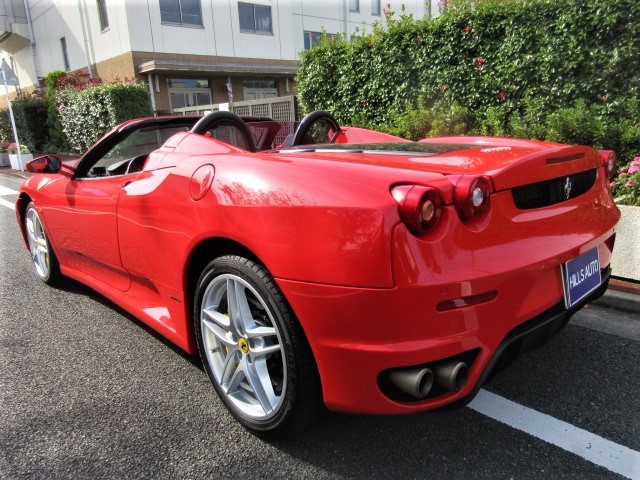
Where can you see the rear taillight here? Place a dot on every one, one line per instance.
(419, 207)
(608, 158)
(472, 196)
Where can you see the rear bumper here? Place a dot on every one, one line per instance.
(532, 334)
(357, 334)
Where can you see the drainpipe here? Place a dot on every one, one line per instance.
(32, 45)
(84, 38)
(347, 36)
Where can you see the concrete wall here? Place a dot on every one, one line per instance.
(625, 262)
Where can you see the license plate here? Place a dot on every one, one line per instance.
(580, 277)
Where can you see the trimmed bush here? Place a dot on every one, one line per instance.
(6, 135)
(562, 70)
(89, 113)
(56, 135)
(30, 113)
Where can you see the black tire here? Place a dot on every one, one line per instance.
(300, 399)
(51, 274)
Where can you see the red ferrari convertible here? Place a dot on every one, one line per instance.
(312, 263)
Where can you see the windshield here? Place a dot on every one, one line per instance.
(140, 142)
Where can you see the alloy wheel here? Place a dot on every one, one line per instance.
(243, 347)
(38, 245)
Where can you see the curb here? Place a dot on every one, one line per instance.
(9, 172)
(621, 295)
(616, 300)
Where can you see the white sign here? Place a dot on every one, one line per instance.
(10, 77)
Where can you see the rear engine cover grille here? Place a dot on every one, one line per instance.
(556, 190)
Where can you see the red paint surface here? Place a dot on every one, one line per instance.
(364, 288)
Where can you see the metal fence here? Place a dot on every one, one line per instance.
(283, 109)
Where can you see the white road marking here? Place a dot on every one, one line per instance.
(7, 191)
(616, 458)
(4, 203)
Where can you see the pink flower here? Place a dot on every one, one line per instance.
(479, 62)
(634, 168)
(612, 184)
(629, 184)
(468, 30)
(623, 174)
(502, 96)
(635, 161)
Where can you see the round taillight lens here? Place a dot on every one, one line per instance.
(609, 161)
(472, 195)
(419, 207)
(477, 197)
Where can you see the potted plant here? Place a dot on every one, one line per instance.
(4, 156)
(626, 187)
(18, 159)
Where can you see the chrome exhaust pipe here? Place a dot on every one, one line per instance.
(416, 381)
(451, 375)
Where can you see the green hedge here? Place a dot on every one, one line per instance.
(56, 134)
(89, 113)
(30, 114)
(558, 69)
(6, 135)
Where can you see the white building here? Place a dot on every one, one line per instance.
(190, 52)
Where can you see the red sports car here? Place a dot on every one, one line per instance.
(317, 263)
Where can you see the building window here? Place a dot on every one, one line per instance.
(255, 89)
(181, 12)
(354, 5)
(102, 15)
(189, 92)
(375, 7)
(254, 18)
(65, 55)
(311, 39)
(266, 84)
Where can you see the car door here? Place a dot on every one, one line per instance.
(81, 218)
(81, 213)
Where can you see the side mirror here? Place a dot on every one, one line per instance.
(45, 164)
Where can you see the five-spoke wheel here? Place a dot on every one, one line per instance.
(253, 348)
(44, 261)
(243, 347)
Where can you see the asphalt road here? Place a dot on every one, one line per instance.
(87, 391)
